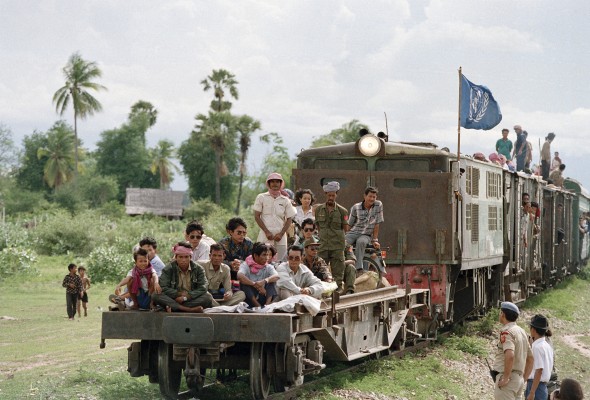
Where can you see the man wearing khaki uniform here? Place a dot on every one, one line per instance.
(219, 277)
(513, 356)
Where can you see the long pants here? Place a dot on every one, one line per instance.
(360, 243)
(236, 298)
(540, 394)
(512, 391)
(251, 292)
(545, 169)
(71, 302)
(520, 159)
(336, 260)
(204, 301)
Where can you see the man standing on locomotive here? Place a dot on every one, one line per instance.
(274, 214)
(365, 218)
(513, 358)
(332, 222)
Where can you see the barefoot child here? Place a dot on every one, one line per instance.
(74, 289)
(85, 286)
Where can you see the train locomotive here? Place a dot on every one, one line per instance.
(455, 244)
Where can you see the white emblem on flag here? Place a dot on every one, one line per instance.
(478, 103)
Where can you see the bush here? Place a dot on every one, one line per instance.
(59, 233)
(16, 260)
(107, 264)
(13, 235)
(70, 197)
(201, 209)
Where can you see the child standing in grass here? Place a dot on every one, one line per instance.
(84, 297)
(74, 289)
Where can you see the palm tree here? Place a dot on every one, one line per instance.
(162, 163)
(59, 167)
(218, 128)
(221, 80)
(146, 108)
(79, 76)
(245, 125)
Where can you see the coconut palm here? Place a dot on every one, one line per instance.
(161, 162)
(245, 125)
(221, 81)
(146, 108)
(219, 129)
(59, 167)
(79, 76)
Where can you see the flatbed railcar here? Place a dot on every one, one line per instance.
(278, 349)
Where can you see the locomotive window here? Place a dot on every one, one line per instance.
(472, 181)
(475, 222)
(410, 165)
(407, 183)
(492, 218)
(494, 187)
(353, 164)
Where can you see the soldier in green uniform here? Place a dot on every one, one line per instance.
(513, 356)
(332, 221)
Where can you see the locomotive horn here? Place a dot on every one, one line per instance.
(363, 132)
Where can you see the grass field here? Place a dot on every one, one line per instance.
(43, 355)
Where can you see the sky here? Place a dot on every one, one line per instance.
(307, 67)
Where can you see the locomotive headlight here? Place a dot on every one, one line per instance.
(369, 145)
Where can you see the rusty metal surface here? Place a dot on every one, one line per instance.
(247, 327)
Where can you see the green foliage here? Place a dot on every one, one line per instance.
(98, 190)
(467, 344)
(59, 234)
(121, 154)
(144, 109)
(109, 264)
(200, 209)
(30, 173)
(13, 235)
(59, 153)
(70, 197)
(161, 162)
(197, 159)
(16, 261)
(347, 133)
(221, 81)
(8, 152)
(561, 302)
(19, 200)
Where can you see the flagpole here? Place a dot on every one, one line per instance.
(459, 122)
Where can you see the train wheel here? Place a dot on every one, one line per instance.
(169, 371)
(259, 377)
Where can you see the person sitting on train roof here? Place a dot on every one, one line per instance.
(274, 214)
(557, 176)
(365, 218)
(184, 284)
(257, 277)
(304, 199)
(295, 278)
(219, 278)
(237, 245)
(194, 234)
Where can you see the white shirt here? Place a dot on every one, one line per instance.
(303, 215)
(273, 212)
(543, 358)
(294, 282)
(201, 252)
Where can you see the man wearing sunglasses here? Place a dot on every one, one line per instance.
(194, 234)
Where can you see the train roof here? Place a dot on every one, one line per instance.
(576, 186)
(410, 148)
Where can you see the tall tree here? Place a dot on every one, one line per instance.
(218, 128)
(348, 132)
(30, 173)
(144, 109)
(80, 75)
(8, 153)
(59, 167)
(246, 126)
(162, 163)
(221, 81)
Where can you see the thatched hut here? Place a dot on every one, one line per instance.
(166, 203)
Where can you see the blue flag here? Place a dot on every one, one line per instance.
(479, 110)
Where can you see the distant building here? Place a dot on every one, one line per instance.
(166, 203)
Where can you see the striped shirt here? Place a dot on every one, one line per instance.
(363, 221)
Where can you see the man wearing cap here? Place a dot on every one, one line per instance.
(274, 214)
(295, 278)
(546, 155)
(183, 283)
(513, 358)
(332, 221)
(316, 264)
(536, 388)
